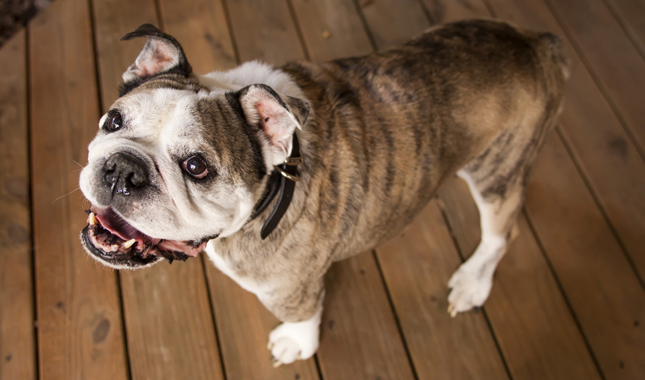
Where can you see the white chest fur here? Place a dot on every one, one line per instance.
(220, 263)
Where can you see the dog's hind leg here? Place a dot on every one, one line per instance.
(471, 284)
(497, 181)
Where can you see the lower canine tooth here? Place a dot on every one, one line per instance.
(92, 219)
(129, 243)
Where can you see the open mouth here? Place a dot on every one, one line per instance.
(115, 241)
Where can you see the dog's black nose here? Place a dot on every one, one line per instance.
(124, 173)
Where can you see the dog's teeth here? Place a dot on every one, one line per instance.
(452, 310)
(129, 243)
(275, 362)
(92, 219)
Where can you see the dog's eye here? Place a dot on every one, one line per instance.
(114, 122)
(195, 166)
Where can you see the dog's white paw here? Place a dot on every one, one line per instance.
(469, 288)
(294, 341)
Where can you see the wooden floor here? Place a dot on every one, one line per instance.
(568, 300)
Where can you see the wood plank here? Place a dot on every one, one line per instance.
(17, 332)
(399, 20)
(448, 11)
(583, 250)
(419, 318)
(169, 323)
(535, 330)
(630, 14)
(606, 297)
(264, 30)
(167, 311)
(112, 20)
(360, 338)
(607, 157)
(616, 64)
(528, 299)
(417, 265)
(80, 334)
(244, 324)
(528, 349)
(202, 29)
(383, 354)
(331, 29)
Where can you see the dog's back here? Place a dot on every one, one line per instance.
(393, 124)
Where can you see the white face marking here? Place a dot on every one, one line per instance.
(161, 126)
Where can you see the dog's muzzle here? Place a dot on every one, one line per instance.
(112, 239)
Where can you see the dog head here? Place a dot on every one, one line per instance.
(178, 161)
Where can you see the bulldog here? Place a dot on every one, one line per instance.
(277, 172)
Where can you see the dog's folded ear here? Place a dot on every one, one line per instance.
(277, 116)
(161, 54)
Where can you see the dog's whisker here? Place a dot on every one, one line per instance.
(65, 195)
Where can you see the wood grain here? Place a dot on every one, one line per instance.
(167, 311)
(264, 30)
(398, 20)
(616, 64)
(360, 338)
(17, 330)
(243, 325)
(605, 295)
(169, 323)
(201, 28)
(417, 265)
(449, 11)
(79, 316)
(331, 29)
(533, 326)
(630, 14)
(581, 246)
(112, 20)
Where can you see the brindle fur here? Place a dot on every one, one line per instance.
(388, 127)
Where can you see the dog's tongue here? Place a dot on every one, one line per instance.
(112, 222)
(115, 225)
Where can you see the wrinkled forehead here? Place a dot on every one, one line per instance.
(164, 118)
(157, 112)
(158, 103)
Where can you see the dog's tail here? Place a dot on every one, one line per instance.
(553, 47)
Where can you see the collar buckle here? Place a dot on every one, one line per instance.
(294, 177)
(293, 161)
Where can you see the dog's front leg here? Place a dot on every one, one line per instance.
(300, 310)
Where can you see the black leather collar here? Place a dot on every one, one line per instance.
(284, 179)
